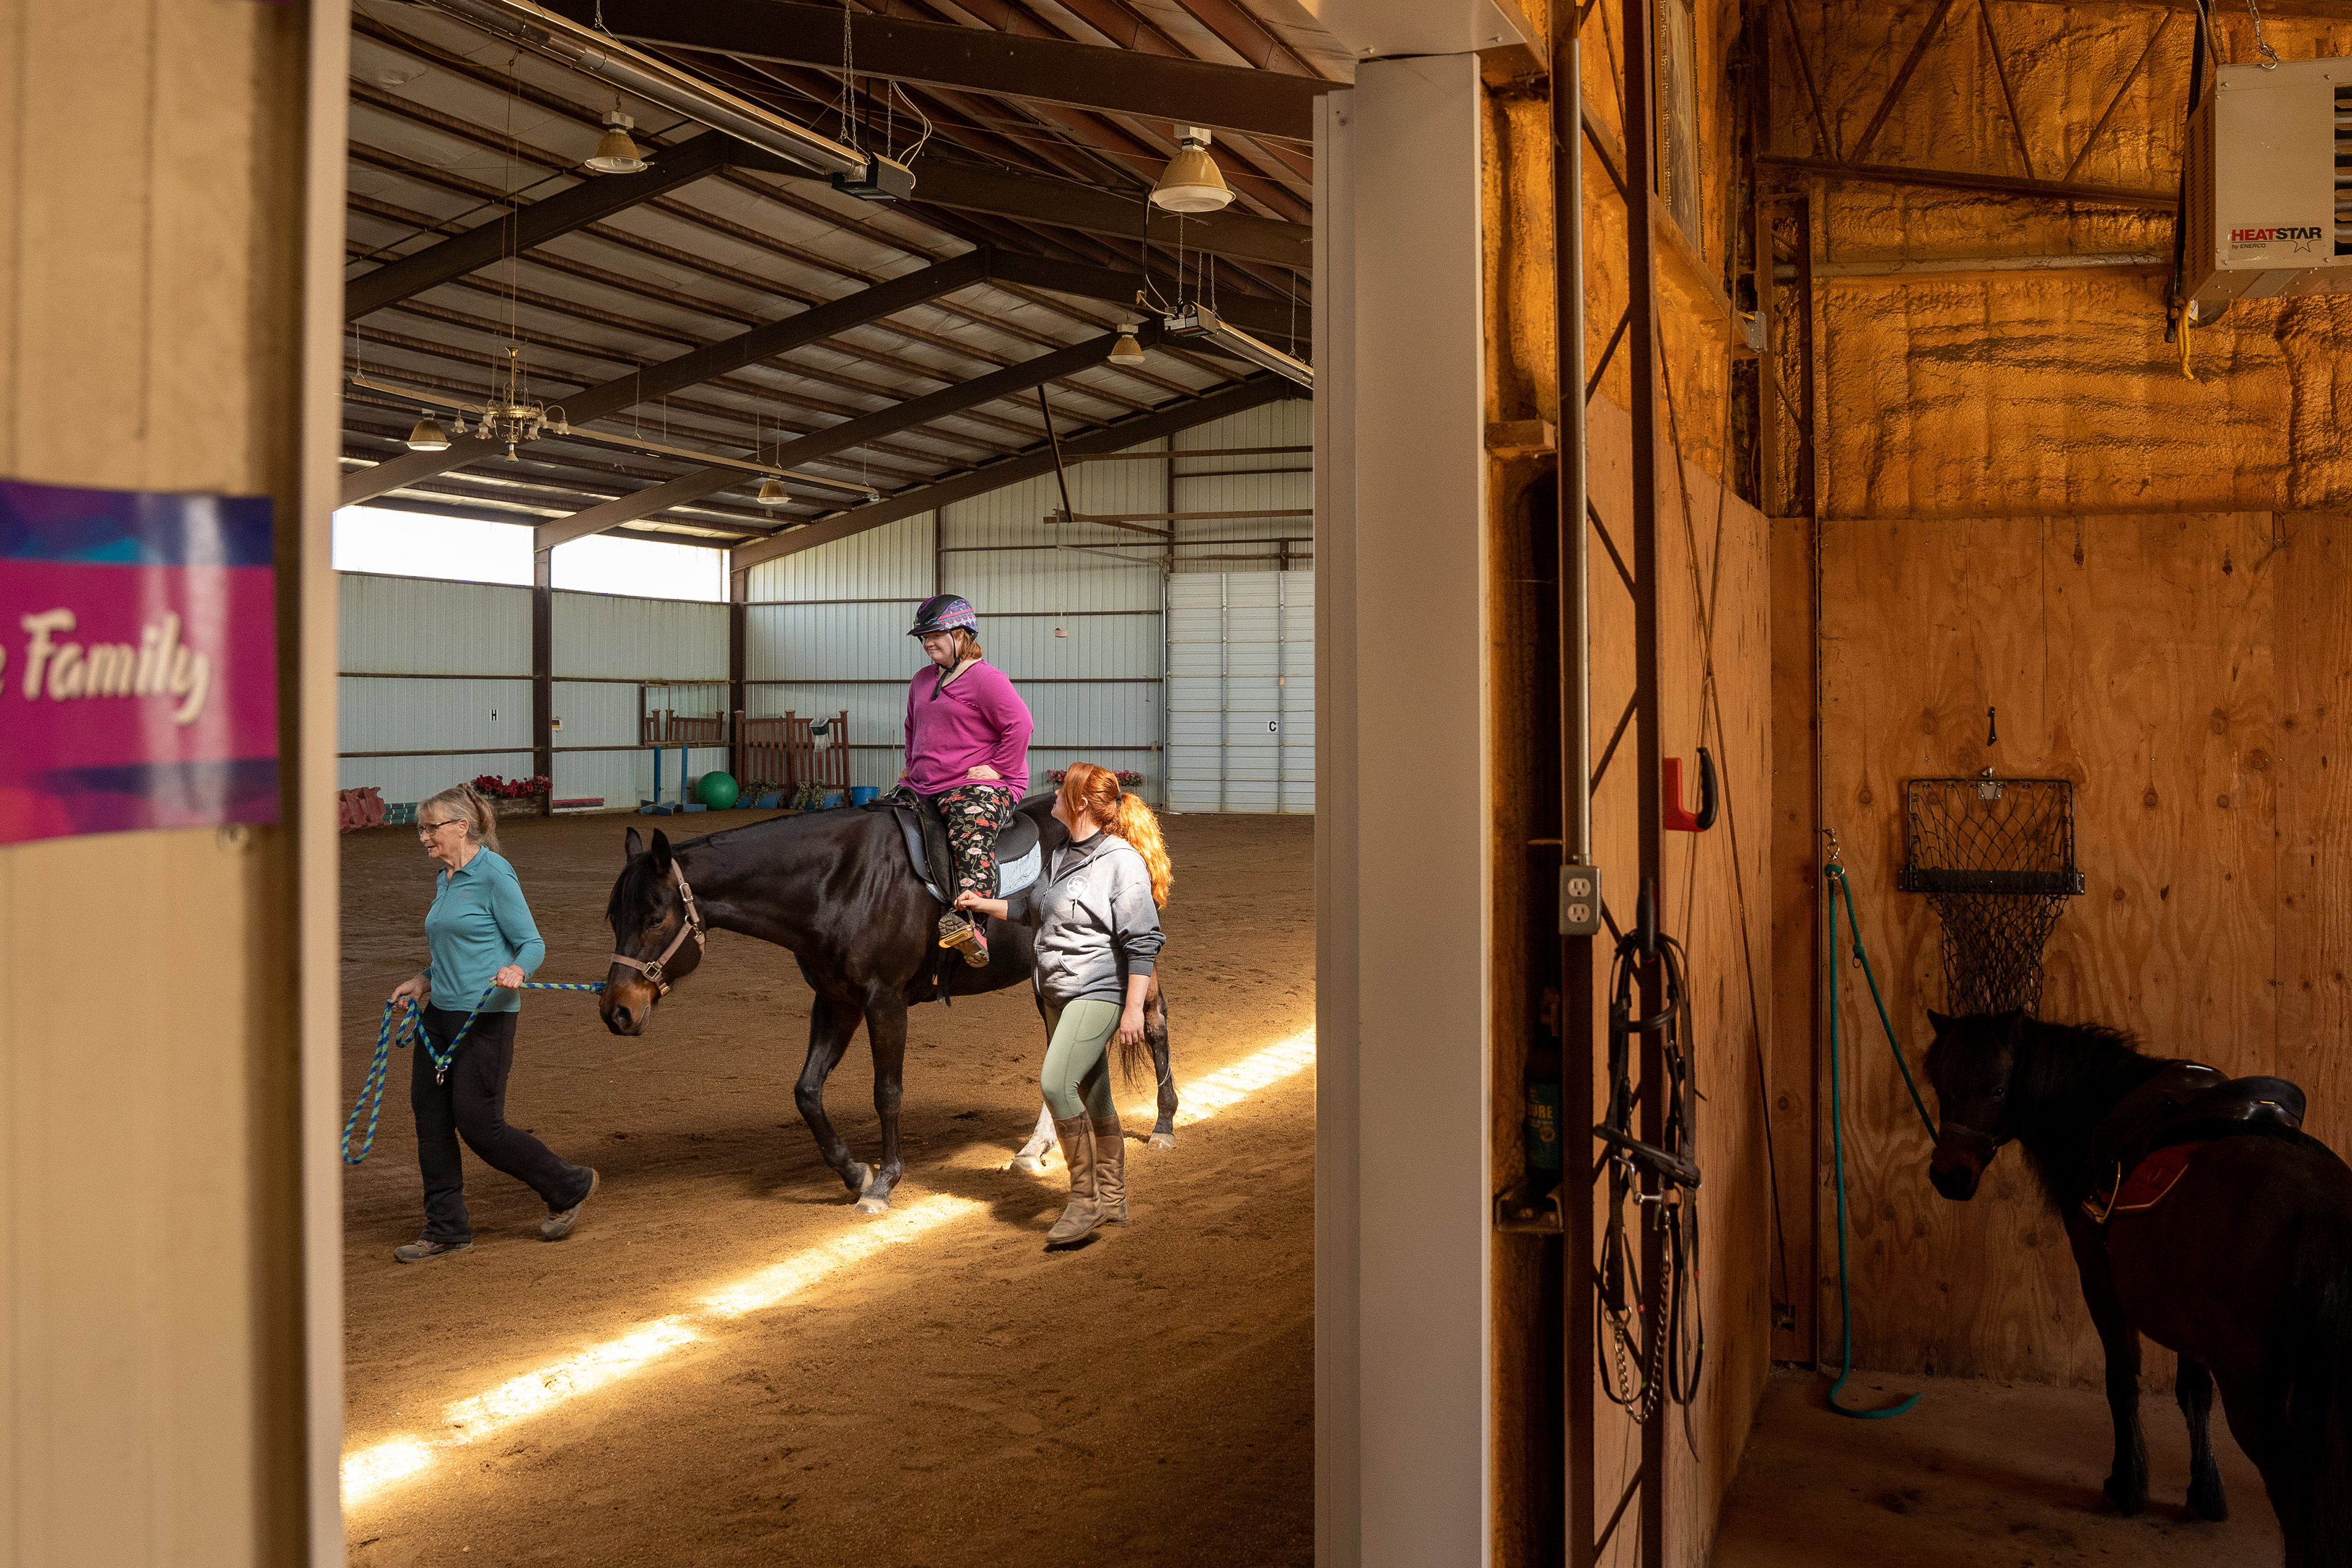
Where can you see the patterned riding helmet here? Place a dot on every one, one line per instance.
(944, 613)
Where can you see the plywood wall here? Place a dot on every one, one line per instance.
(1713, 561)
(150, 1335)
(2191, 672)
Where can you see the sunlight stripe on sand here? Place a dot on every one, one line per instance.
(370, 1470)
(485, 1415)
(1228, 1087)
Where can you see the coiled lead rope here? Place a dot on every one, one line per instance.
(411, 1031)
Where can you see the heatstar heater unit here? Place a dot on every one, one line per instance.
(2270, 185)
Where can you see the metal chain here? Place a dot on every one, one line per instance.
(2270, 60)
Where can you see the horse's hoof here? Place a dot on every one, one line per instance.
(870, 1205)
(2208, 1500)
(1028, 1164)
(1160, 1140)
(2128, 1500)
(860, 1178)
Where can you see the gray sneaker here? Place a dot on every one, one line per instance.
(558, 1223)
(423, 1249)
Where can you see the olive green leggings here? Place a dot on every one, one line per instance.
(1076, 1079)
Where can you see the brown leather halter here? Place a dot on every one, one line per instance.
(692, 927)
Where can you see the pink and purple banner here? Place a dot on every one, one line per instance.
(138, 661)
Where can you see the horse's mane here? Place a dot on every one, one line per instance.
(633, 884)
(2073, 1073)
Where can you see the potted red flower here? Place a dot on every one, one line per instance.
(516, 797)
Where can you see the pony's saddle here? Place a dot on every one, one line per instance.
(2142, 1146)
(1018, 857)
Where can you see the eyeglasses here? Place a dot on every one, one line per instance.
(427, 829)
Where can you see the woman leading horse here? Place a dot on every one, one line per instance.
(967, 754)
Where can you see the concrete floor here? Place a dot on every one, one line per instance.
(1979, 1475)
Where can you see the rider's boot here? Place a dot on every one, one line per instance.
(965, 935)
(1081, 1215)
(1110, 1171)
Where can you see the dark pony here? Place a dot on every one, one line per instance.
(2244, 1267)
(837, 888)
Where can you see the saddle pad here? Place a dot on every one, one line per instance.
(1011, 875)
(2152, 1178)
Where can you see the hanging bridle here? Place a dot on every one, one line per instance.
(692, 927)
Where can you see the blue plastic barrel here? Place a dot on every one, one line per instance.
(862, 794)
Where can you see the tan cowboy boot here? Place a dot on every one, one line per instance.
(1110, 1171)
(1079, 1217)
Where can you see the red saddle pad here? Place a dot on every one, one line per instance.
(2152, 1178)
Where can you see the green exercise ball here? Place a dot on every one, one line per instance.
(718, 790)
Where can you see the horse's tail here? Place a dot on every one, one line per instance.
(2314, 1361)
(1136, 1058)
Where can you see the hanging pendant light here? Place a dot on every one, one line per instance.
(1192, 183)
(428, 436)
(1127, 351)
(772, 492)
(616, 154)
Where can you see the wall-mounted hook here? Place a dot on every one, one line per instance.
(1673, 817)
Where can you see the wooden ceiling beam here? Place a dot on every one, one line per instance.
(1006, 64)
(1135, 432)
(1959, 180)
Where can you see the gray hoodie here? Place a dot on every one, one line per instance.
(1096, 923)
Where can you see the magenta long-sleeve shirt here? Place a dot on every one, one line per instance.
(978, 719)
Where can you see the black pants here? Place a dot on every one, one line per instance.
(472, 1105)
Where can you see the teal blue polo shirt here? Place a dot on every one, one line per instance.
(477, 925)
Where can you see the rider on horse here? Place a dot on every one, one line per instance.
(967, 752)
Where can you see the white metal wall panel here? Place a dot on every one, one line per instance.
(391, 626)
(641, 639)
(1096, 647)
(890, 562)
(598, 714)
(1240, 698)
(1289, 423)
(1028, 581)
(425, 716)
(425, 626)
(829, 641)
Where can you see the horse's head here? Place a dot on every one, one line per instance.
(652, 931)
(1970, 1066)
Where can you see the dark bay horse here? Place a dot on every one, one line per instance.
(2244, 1267)
(837, 888)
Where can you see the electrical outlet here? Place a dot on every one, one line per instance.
(1580, 900)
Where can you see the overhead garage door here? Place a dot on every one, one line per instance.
(1241, 691)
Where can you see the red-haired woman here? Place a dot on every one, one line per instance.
(1096, 911)
(967, 751)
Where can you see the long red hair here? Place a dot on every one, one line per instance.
(1095, 790)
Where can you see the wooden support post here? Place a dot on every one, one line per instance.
(1569, 1268)
(542, 671)
(739, 619)
(1642, 363)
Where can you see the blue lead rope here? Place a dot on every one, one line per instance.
(411, 1031)
(1838, 886)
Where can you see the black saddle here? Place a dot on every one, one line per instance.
(2187, 1102)
(926, 833)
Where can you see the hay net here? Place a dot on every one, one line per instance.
(1996, 858)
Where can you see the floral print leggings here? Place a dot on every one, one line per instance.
(975, 814)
